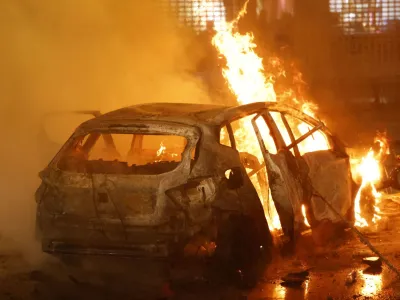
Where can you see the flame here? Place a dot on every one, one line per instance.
(244, 69)
(369, 169)
(309, 109)
(244, 73)
(246, 77)
(248, 80)
(162, 153)
(303, 211)
(161, 150)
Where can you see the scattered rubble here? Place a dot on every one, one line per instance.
(373, 261)
(295, 279)
(351, 278)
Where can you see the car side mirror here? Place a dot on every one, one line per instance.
(235, 178)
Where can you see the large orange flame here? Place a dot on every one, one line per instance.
(244, 73)
(244, 68)
(247, 79)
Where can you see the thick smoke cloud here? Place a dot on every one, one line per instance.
(76, 54)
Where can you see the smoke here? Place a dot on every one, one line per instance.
(77, 54)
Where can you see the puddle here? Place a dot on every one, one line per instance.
(324, 284)
(371, 283)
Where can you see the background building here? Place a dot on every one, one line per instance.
(350, 47)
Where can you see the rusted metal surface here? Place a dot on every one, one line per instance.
(134, 213)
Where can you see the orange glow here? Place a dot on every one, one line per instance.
(369, 169)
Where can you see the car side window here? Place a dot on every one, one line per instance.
(277, 117)
(245, 137)
(224, 137)
(252, 159)
(317, 141)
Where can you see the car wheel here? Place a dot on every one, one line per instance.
(242, 250)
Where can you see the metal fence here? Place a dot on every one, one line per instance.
(196, 13)
(357, 16)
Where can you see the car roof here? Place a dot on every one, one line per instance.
(184, 113)
(208, 115)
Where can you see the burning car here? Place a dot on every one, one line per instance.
(148, 179)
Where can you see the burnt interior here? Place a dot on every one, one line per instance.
(75, 164)
(100, 153)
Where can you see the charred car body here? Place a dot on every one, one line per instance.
(147, 179)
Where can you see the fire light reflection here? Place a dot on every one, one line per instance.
(279, 292)
(372, 284)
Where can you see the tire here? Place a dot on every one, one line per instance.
(243, 251)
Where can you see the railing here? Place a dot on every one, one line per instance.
(196, 13)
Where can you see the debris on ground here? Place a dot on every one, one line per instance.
(374, 265)
(295, 279)
(373, 261)
(351, 278)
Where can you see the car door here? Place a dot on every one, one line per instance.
(312, 162)
(328, 163)
(278, 214)
(282, 169)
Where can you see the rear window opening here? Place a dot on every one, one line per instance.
(124, 154)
